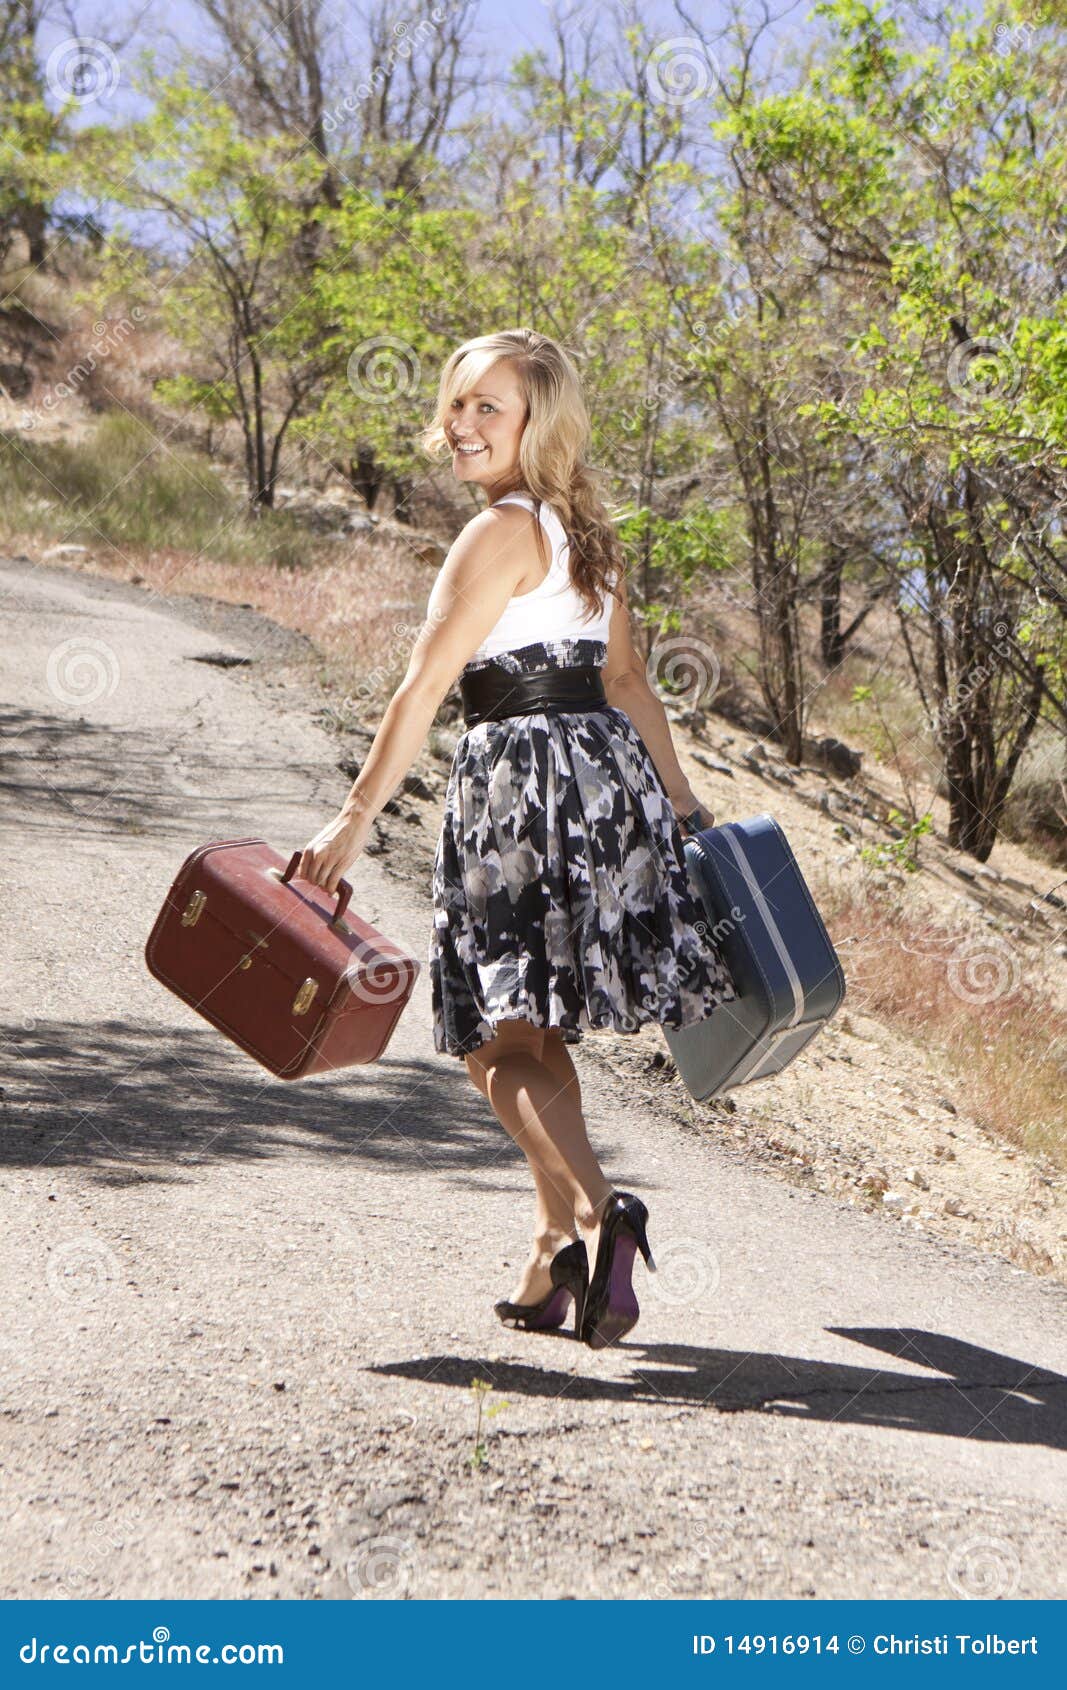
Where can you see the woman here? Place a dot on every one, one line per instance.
(560, 893)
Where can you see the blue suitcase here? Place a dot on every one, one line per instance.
(788, 978)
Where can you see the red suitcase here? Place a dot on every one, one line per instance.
(276, 964)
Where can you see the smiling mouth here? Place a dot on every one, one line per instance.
(469, 451)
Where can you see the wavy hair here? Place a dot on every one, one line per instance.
(552, 463)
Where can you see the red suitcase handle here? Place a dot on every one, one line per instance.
(344, 890)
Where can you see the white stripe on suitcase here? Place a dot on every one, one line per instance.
(771, 925)
(764, 1048)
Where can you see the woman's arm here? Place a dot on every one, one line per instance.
(626, 686)
(483, 567)
(633, 695)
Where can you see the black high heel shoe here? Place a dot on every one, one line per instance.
(569, 1269)
(611, 1308)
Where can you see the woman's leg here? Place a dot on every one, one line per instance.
(557, 1059)
(554, 1218)
(538, 1103)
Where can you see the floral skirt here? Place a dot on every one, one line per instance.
(560, 890)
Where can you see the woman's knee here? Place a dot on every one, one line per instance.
(477, 1073)
(514, 1040)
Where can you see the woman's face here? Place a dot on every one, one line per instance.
(485, 428)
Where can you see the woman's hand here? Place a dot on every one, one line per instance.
(686, 805)
(327, 858)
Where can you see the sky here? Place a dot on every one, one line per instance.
(98, 60)
(505, 28)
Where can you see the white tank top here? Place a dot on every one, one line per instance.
(554, 609)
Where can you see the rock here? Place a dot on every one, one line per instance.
(17, 379)
(947, 1103)
(66, 551)
(415, 786)
(392, 807)
(712, 763)
(429, 551)
(914, 1177)
(834, 754)
(954, 1206)
(893, 1201)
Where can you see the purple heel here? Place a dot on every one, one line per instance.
(570, 1280)
(612, 1308)
(536, 1317)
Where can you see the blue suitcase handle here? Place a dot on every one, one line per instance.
(690, 824)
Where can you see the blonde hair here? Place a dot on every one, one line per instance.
(552, 448)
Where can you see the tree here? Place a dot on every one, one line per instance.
(238, 209)
(915, 172)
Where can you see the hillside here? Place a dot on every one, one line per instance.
(936, 1097)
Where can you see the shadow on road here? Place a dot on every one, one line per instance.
(977, 1394)
(139, 1104)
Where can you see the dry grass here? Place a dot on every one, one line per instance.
(167, 517)
(960, 993)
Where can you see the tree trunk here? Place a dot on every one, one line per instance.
(831, 641)
(403, 487)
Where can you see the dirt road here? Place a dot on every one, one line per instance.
(243, 1318)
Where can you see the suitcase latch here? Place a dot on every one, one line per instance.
(302, 1001)
(191, 912)
(246, 960)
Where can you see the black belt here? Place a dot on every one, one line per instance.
(490, 694)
